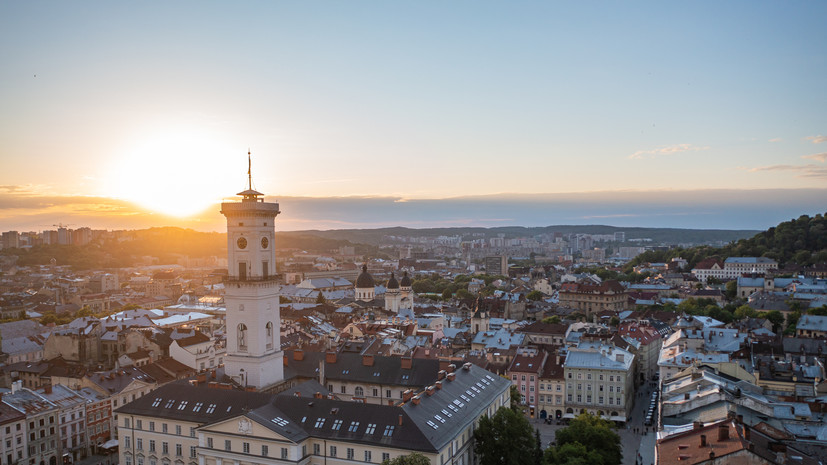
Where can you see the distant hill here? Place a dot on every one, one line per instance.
(657, 235)
(802, 241)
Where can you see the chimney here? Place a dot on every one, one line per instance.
(452, 376)
(298, 355)
(723, 432)
(452, 368)
(330, 357)
(441, 375)
(407, 362)
(367, 360)
(318, 395)
(415, 400)
(466, 366)
(400, 420)
(297, 393)
(438, 385)
(746, 432)
(406, 396)
(430, 390)
(703, 440)
(685, 396)
(47, 388)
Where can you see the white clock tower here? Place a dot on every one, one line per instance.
(254, 357)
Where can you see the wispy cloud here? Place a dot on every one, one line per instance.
(777, 139)
(822, 157)
(666, 150)
(803, 171)
(817, 139)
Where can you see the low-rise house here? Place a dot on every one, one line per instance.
(525, 371)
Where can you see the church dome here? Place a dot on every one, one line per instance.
(364, 280)
(406, 281)
(392, 283)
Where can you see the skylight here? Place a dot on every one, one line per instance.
(170, 403)
(439, 418)
(182, 405)
(371, 428)
(319, 422)
(446, 413)
(388, 431)
(156, 402)
(452, 407)
(336, 425)
(211, 408)
(465, 398)
(197, 407)
(432, 424)
(354, 425)
(279, 421)
(459, 404)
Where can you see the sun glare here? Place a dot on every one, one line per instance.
(179, 174)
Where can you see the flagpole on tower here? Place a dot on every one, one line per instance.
(249, 173)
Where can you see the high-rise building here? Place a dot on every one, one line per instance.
(254, 356)
(497, 264)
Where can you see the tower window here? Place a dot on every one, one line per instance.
(265, 269)
(242, 337)
(269, 331)
(242, 271)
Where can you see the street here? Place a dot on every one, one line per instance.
(633, 443)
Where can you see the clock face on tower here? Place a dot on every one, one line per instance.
(264, 242)
(242, 243)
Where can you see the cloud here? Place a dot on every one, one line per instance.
(817, 139)
(804, 171)
(822, 157)
(777, 139)
(666, 150)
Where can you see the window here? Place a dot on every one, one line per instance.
(388, 393)
(579, 387)
(388, 431)
(558, 388)
(179, 451)
(152, 426)
(126, 422)
(367, 456)
(265, 451)
(209, 443)
(228, 445)
(241, 331)
(531, 378)
(579, 398)
(589, 376)
(178, 430)
(336, 425)
(284, 452)
(344, 389)
(600, 400)
(152, 445)
(192, 451)
(513, 377)
(269, 331)
(319, 422)
(316, 449)
(333, 451)
(588, 387)
(579, 375)
(371, 428)
(245, 447)
(386, 456)
(522, 378)
(375, 392)
(588, 399)
(600, 377)
(138, 424)
(164, 427)
(126, 442)
(165, 448)
(569, 397)
(354, 425)
(192, 432)
(350, 453)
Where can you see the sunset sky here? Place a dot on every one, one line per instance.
(687, 114)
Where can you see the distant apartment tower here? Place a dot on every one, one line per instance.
(11, 240)
(496, 264)
(620, 236)
(64, 236)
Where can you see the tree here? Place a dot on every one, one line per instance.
(464, 294)
(320, 298)
(731, 289)
(505, 438)
(587, 440)
(412, 459)
(744, 311)
(554, 319)
(534, 296)
(516, 399)
(776, 318)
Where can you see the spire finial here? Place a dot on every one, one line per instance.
(249, 172)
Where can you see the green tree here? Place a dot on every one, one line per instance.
(320, 298)
(516, 399)
(554, 319)
(534, 296)
(776, 318)
(744, 311)
(505, 438)
(731, 289)
(587, 440)
(412, 459)
(464, 294)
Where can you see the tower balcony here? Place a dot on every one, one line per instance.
(249, 280)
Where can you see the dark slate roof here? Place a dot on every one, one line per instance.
(184, 402)
(326, 412)
(365, 280)
(348, 366)
(472, 390)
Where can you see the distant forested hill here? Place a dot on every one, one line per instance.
(802, 241)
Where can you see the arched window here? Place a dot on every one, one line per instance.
(242, 337)
(359, 392)
(269, 332)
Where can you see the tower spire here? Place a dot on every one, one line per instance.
(249, 171)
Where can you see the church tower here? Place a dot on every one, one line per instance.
(254, 357)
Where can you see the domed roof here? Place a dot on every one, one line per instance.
(365, 279)
(392, 283)
(406, 281)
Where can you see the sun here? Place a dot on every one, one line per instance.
(178, 174)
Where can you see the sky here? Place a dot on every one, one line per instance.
(369, 114)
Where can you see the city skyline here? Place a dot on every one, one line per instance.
(415, 115)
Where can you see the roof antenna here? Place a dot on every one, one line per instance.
(249, 173)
